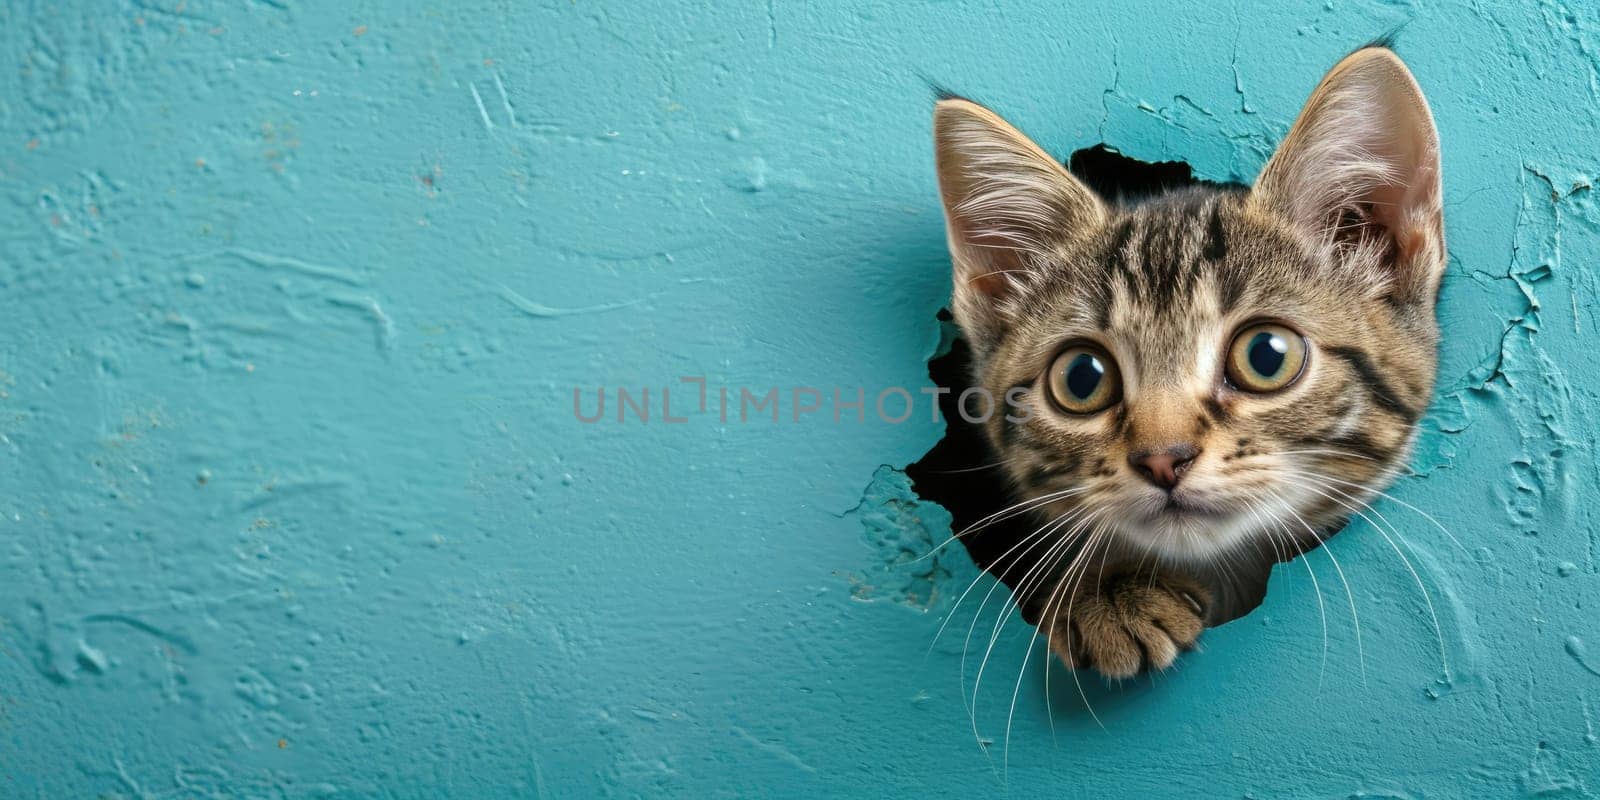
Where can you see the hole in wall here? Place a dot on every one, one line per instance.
(1120, 179)
(961, 472)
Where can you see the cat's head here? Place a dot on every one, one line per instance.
(1209, 367)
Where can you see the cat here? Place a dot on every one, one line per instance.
(1216, 378)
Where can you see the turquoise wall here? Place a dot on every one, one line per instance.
(293, 501)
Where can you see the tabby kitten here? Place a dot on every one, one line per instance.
(1213, 379)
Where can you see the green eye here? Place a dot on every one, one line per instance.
(1265, 357)
(1084, 380)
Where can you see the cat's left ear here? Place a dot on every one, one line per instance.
(1359, 172)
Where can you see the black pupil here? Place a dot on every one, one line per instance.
(1083, 375)
(1266, 353)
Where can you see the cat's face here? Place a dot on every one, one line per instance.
(1197, 372)
(1209, 369)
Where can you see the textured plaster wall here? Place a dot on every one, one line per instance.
(293, 502)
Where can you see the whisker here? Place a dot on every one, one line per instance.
(1004, 514)
(1039, 535)
(1006, 747)
(1334, 452)
(1371, 487)
(1355, 619)
(1427, 599)
(967, 469)
(1050, 628)
(1392, 498)
(1047, 530)
(1024, 586)
(982, 572)
(1072, 595)
(1000, 463)
(1316, 587)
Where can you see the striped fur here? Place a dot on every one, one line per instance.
(1341, 239)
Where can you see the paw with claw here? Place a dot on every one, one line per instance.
(1129, 624)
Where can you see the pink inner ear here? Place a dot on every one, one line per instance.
(990, 262)
(1394, 204)
(991, 284)
(1388, 209)
(1411, 242)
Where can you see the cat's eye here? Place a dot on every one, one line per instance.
(1265, 357)
(1083, 380)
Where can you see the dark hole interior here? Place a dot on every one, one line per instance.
(1120, 179)
(962, 472)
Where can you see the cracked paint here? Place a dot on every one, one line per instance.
(915, 559)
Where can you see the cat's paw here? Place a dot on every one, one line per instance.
(1129, 624)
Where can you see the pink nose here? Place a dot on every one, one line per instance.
(1164, 467)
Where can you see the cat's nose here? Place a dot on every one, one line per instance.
(1164, 466)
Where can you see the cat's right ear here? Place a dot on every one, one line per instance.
(1007, 206)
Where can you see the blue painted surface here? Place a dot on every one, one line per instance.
(293, 501)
